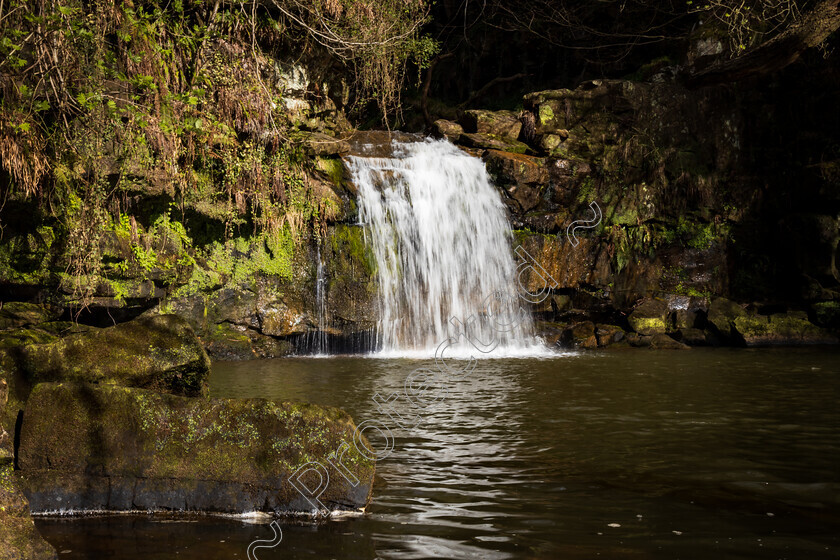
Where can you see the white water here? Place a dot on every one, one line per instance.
(442, 244)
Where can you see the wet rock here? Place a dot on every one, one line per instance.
(279, 319)
(158, 352)
(662, 341)
(650, 317)
(686, 318)
(491, 142)
(550, 332)
(692, 337)
(582, 335)
(608, 334)
(443, 128)
(226, 341)
(637, 340)
(97, 447)
(788, 328)
(504, 124)
(722, 316)
(19, 539)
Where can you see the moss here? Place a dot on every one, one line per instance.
(151, 435)
(23, 337)
(649, 324)
(159, 352)
(350, 241)
(332, 168)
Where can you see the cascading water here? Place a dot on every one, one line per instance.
(315, 342)
(442, 244)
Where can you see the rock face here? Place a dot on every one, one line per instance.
(88, 447)
(159, 352)
(19, 539)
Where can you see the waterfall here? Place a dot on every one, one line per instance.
(441, 239)
(315, 342)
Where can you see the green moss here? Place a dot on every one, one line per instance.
(332, 168)
(350, 241)
(546, 114)
(649, 324)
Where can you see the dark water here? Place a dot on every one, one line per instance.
(700, 454)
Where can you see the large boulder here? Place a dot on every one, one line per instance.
(19, 539)
(159, 352)
(100, 447)
(650, 317)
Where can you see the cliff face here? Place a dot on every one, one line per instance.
(223, 201)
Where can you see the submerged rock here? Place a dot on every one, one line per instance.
(158, 352)
(89, 447)
(19, 539)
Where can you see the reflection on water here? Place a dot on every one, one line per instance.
(635, 454)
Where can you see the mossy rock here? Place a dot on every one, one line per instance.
(19, 539)
(99, 447)
(722, 316)
(503, 124)
(792, 328)
(23, 337)
(17, 314)
(159, 352)
(651, 317)
(508, 168)
(492, 142)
